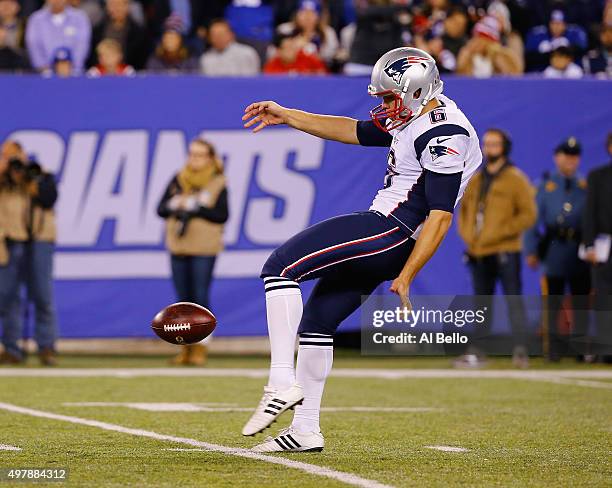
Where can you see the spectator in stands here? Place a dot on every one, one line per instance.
(484, 55)
(252, 22)
(11, 23)
(509, 37)
(195, 208)
(226, 57)
(62, 63)
(430, 16)
(445, 47)
(13, 237)
(54, 26)
(118, 24)
(192, 14)
(597, 237)
(316, 36)
(172, 55)
(598, 62)
(11, 58)
(543, 40)
(381, 25)
(562, 65)
(291, 59)
(497, 208)
(110, 61)
(581, 12)
(91, 8)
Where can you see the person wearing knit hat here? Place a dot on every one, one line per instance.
(172, 55)
(484, 55)
(509, 37)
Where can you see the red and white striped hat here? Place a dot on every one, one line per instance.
(487, 27)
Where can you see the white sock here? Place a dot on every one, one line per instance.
(315, 358)
(284, 312)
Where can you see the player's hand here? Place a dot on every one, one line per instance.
(401, 287)
(264, 114)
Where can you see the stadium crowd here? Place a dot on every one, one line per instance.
(480, 38)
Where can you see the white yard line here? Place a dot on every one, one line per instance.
(578, 382)
(348, 478)
(5, 447)
(380, 373)
(448, 448)
(570, 377)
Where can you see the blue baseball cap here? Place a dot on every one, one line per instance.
(62, 54)
(557, 16)
(310, 5)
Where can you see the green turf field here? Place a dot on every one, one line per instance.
(516, 431)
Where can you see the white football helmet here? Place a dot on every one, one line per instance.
(411, 76)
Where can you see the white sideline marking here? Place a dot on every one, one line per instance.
(380, 373)
(569, 377)
(207, 407)
(348, 478)
(5, 447)
(448, 448)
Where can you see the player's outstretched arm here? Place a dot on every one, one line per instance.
(260, 115)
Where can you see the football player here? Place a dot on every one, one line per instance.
(433, 152)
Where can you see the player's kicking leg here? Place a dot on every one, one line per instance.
(331, 301)
(284, 312)
(318, 251)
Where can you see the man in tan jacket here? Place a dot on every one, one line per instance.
(13, 238)
(497, 208)
(27, 197)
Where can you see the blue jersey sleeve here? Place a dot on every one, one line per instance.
(441, 190)
(370, 135)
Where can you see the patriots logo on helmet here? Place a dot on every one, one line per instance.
(396, 70)
(438, 151)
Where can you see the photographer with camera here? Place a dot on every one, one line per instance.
(27, 197)
(195, 208)
(13, 238)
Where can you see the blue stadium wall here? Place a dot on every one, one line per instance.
(115, 144)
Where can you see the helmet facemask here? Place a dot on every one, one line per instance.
(401, 113)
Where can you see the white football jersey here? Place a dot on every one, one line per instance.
(441, 141)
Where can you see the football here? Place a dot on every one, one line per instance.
(184, 323)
